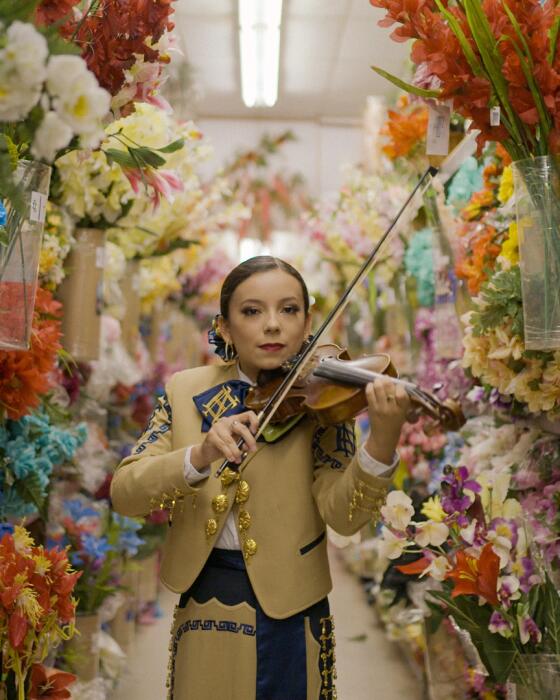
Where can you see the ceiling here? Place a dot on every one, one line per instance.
(326, 49)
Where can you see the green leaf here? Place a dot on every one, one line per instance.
(122, 158)
(10, 10)
(527, 66)
(496, 653)
(147, 156)
(551, 606)
(173, 146)
(470, 55)
(553, 40)
(31, 491)
(407, 87)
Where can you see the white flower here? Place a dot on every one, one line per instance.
(390, 545)
(29, 50)
(52, 135)
(398, 510)
(438, 568)
(468, 533)
(22, 71)
(430, 533)
(78, 99)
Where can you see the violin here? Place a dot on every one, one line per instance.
(331, 389)
(352, 375)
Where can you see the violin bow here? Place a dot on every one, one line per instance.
(447, 168)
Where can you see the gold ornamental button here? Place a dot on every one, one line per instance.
(242, 493)
(220, 503)
(244, 520)
(228, 477)
(249, 548)
(211, 527)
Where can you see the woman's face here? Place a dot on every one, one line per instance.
(267, 321)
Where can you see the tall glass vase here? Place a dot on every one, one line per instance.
(537, 677)
(20, 247)
(537, 201)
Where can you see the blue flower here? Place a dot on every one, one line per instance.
(465, 183)
(96, 548)
(78, 510)
(419, 263)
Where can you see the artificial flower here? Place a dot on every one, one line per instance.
(433, 510)
(430, 533)
(22, 70)
(499, 625)
(528, 629)
(52, 135)
(476, 575)
(25, 375)
(398, 510)
(50, 683)
(390, 545)
(510, 247)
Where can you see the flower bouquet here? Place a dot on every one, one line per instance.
(472, 542)
(96, 540)
(498, 62)
(37, 611)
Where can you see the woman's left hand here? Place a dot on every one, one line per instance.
(388, 405)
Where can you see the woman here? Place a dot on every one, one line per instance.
(248, 551)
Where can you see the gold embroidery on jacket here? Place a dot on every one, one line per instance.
(366, 498)
(223, 401)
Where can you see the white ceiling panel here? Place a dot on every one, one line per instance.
(205, 8)
(327, 47)
(317, 8)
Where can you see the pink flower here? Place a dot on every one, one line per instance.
(163, 183)
(499, 625)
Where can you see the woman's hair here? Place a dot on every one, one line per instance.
(248, 268)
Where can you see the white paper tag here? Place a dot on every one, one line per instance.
(495, 116)
(511, 691)
(38, 207)
(100, 257)
(439, 119)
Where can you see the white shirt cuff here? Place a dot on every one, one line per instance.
(375, 468)
(192, 475)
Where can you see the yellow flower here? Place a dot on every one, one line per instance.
(432, 509)
(22, 540)
(505, 190)
(510, 247)
(42, 564)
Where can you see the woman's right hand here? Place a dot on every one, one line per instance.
(221, 440)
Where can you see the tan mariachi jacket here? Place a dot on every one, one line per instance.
(281, 500)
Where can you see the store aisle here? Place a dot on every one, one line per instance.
(372, 669)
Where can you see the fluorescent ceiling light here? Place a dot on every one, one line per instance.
(259, 43)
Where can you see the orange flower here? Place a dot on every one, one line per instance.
(406, 130)
(474, 576)
(49, 683)
(484, 248)
(25, 374)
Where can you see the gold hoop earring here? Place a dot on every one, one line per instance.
(230, 352)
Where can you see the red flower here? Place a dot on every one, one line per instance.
(478, 577)
(49, 683)
(116, 32)
(50, 11)
(17, 629)
(416, 567)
